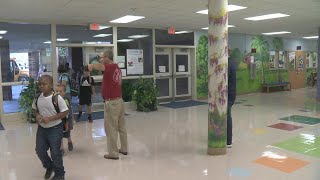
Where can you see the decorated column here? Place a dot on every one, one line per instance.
(217, 76)
(318, 68)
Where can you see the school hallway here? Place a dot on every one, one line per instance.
(171, 144)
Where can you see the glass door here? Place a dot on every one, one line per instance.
(182, 73)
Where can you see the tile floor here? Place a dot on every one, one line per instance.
(170, 144)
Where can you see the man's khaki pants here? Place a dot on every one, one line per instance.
(113, 123)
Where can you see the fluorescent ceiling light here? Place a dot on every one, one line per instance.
(267, 16)
(0, 37)
(127, 19)
(102, 35)
(103, 27)
(62, 39)
(231, 7)
(3, 32)
(274, 33)
(206, 28)
(182, 32)
(47, 42)
(125, 40)
(137, 36)
(308, 37)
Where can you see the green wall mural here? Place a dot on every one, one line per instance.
(244, 82)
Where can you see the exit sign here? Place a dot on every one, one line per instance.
(171, 30)
(94, 26)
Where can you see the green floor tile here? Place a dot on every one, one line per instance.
(302, 119)
(306, 144)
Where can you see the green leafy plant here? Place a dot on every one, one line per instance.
(27, 95)
(145, 95)
(127, 91)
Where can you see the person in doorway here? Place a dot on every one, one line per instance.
(50, 128)
(114, 106)
(69, 70)
(64, 79)
(232, 88)
(86, 91)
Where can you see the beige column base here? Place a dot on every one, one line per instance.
(217, 151)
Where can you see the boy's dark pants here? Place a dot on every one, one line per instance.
(50, 138)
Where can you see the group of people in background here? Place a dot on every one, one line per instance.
(55, 117)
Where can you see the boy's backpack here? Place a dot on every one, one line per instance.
(72, 83)
(56, 107)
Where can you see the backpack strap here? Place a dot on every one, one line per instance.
(60, 79)
(55, 102)
(36, 100)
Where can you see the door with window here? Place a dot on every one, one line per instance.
(173, 73)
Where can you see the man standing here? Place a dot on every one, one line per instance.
(232, 90)
(111, 92)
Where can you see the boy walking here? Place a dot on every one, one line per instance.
(68, 120)
(50, 128)
(86, 90)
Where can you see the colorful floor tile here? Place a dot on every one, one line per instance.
(284, 126)
(284, 164)
(248, 105)
(259, 131)
(239, 172)
(304, 110)
(302, 119)
(306, 144)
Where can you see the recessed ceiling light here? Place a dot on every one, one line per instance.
(103, 27)
(125, 40)
(274, 33)
(62, 39)
(182, 32)
(102, 35)
(231, 7)
(127, 19)
(308, 37)
(206, 28)
(3, 32)
(137, 36)
(47, 42)
(267, 16)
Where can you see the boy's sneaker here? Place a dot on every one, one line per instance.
(70, 146)
(58, 178)
(48, 174)
(90, 119)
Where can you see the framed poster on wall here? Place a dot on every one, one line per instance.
(282, 60)
(300, 62)
(272, 60)
(311, 59)
(134, 61)
(292, 61)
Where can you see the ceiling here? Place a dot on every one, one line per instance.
(304, 17)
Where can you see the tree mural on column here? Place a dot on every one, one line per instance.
(202, 66)
(217, 76)
(262, 47)
(278, 45)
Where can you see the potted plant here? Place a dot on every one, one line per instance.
(145, 95)
(27, 95)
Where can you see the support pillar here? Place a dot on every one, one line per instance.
(217, 76)
(318, 68)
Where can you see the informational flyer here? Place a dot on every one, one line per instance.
(134, 61)
(272, 60)
(282, 62)
(292, 61)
